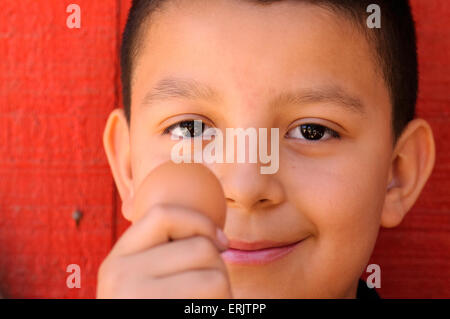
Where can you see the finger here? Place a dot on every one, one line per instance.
(163, 223)
(203, 284)
(193, 253)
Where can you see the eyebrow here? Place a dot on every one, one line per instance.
(331, 94)
(180, 88)
(173, 88)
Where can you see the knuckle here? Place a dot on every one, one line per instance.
(206, 223)
(159, 213)
(210, 227)
(203, 246)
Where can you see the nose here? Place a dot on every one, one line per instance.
(247, 189)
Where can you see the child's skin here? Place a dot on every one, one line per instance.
(333, 193)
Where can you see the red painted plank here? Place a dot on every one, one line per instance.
(57, 87)
(415, 257)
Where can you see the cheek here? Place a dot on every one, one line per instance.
(343, 198)
(339, 195)
(339, 190)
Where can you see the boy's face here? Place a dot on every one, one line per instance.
(329, 193)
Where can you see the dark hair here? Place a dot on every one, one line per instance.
(394, 44)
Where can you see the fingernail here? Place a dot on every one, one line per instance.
(222, 238)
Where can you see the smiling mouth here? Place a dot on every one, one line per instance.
(257, 253)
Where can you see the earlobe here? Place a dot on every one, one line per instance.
(411, 166)
(116, 142)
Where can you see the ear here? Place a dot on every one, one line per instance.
(411, 166)
(116, 141)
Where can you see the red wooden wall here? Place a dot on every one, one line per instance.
(57, 86)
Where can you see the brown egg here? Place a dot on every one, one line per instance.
(190, 185)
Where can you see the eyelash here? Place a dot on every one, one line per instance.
(307, 127)
(176, 125)
(313, 127)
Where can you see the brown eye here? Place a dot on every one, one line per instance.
(187, 129)
(312, 132)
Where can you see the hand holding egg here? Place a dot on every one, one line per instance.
(172, 250)
(189, 185)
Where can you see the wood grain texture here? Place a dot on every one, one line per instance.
(57, 86)
(415, 257)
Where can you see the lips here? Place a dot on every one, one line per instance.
(256, 253)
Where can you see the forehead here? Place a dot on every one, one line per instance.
(252, 51)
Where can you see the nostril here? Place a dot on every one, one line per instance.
(260, 203)
(230, 200)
